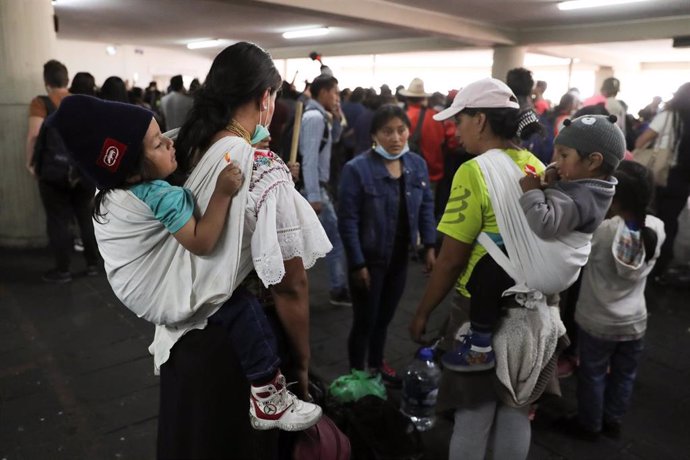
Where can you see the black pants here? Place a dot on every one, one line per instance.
(486, 286)
(204, 402)
(568, 302)
(373, 311)
(670, 201)
(63, 203)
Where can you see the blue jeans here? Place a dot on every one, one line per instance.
(245, 321)
(602, 396)
(373, 311)
(336, 258)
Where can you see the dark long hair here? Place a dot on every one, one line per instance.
(633, 194)
(114, 89)
(504, 123)
(241, 73)
(83, 83)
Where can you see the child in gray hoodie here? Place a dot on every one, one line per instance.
(611, 311)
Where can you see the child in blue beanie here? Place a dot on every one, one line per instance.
(120, 146)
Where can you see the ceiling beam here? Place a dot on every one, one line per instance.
(587, 55)
(394, 14)
(642, 29)
(403, 45)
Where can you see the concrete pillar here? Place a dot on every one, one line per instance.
(600, 75)
(28, 41)
(506, 58)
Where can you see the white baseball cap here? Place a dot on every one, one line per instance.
(487, 93)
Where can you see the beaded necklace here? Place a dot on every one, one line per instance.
(238, 130)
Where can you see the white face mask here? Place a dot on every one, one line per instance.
(389, 156)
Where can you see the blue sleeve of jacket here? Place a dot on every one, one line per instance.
(349, 200)
(427, 220)
(311, 133)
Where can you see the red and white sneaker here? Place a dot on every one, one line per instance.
(273, 406)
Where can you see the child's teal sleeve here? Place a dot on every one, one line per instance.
(171, 205)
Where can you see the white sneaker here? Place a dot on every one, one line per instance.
(273, 406)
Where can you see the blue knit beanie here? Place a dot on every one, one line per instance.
(104, 138)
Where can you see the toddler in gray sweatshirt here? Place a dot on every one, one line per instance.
(574, 195)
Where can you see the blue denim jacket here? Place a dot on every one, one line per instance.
(368, 207)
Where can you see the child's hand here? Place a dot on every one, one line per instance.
(551, 176)
(229, 180)
(530, 182)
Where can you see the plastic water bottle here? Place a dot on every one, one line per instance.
(420, 389)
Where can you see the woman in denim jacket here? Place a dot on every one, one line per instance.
(378, 227)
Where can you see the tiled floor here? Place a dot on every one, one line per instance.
(76, 379)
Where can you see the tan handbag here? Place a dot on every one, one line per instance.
(656, 159)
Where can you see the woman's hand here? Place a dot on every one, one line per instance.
(429, 260)
(417, 327)
(362, 278)
(229, 180)
(302, 389)
(291, 297)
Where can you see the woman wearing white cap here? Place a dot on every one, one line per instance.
(488, 117)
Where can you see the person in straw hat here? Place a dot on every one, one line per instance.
(428, 139)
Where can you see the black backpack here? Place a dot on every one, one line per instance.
(379, 431)
(415, 140)
(286, 142)
(51, 158)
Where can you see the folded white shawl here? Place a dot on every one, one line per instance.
(140, 254)
(538, 267)
(160, 281)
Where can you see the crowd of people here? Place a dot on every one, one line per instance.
(532, 214)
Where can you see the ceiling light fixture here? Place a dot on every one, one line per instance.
(204, 44)
(111, 50)
(303, 33)
(580, 4)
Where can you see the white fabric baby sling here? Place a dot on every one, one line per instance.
(538, 267)
(139, 253)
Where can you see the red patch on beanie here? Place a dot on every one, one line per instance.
(111, 155)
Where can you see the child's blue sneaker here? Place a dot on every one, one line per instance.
(473, 353)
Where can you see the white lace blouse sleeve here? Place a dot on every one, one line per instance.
(286, 226)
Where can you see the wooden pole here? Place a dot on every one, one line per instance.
(295, 131)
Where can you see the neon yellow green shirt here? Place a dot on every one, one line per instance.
(469, 211)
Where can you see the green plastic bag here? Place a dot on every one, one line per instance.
(355, 385)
